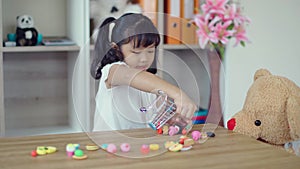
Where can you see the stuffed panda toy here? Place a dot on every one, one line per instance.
(101, 9)
(26, 34)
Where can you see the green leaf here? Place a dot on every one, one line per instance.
(243, 43)
(230, 27)
(215, 45)
(222, 52)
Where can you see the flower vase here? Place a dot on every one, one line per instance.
(215, 114)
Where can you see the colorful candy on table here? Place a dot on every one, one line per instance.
(172, 130)
(79, 155)
(145, 149)
(91, 147)
(43, 150)
(112, 148)
(74, 151)
(183, 144)
(70, 149)
(125, 148)
(162, 112)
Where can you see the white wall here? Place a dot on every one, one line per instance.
(275, 36)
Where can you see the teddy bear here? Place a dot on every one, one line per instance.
(26, 34)
(101, 9)
(271, 111)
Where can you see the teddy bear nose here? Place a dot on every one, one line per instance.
(231, 124)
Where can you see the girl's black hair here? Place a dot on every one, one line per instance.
(130, 27)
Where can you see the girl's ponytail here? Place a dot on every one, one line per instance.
(104, 52)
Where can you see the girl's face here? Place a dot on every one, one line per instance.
(138, 58)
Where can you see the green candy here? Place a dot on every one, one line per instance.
(78, 153)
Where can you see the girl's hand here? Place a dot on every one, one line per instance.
(184, 105)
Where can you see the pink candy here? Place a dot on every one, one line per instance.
(125, 147)
(111, 148)
(196, 135)
(173, 130)
(145, 149)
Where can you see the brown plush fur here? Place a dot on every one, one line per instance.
(275, 102)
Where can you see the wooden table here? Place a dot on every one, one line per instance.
(226, 150)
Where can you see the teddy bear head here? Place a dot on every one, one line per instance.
(25, 21)
(271, 111)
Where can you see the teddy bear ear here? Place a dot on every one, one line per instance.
(261, 72)
(293, 116)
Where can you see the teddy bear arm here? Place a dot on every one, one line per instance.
(293, 116)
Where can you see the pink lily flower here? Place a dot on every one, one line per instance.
(239, 18)
(205, 30)
(222, 33)
(219, 21)
(214, 6)
(240, 35)
(230, 12)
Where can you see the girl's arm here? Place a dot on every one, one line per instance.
(148, 82)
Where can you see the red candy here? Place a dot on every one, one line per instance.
(184, 132)
(145, 149)
(160, 131)
(33, 153)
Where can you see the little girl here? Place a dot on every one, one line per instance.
(125, 63)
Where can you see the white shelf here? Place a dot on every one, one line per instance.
(45, 82)
(41, 49)
(180, 46)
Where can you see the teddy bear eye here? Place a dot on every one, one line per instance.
(257, 122)
(23, 20)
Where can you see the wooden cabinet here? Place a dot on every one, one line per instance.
(43, 88)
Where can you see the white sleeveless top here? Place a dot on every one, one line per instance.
(118, 107)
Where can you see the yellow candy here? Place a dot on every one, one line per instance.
(188, 142)
(176, 147)
(91, 147)
(50, 149)
(169, 144)
(183, 137)
(165, 130)
(41, 150)
(154, 146)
